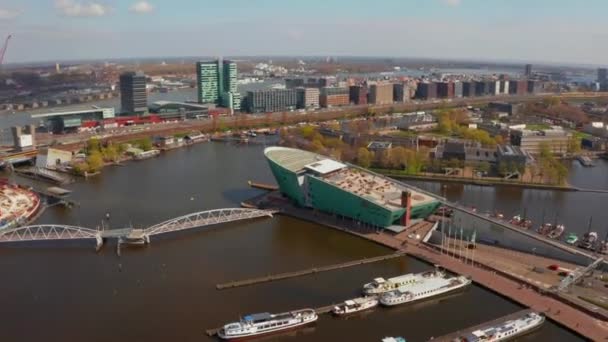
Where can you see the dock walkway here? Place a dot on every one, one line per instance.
(287, 275)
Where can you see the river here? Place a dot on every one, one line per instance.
(166, 291)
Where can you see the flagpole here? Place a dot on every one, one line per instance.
(461, 251)
(448, 240)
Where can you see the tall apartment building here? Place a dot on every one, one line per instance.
(334, 97)
(458, 89)
(358, 94)
(494, 88)
(380, 93)
(519, 87)
(445, 90)
(308, 98)
(468, 88)
(271, 100)
(426, 90)
(229, 92)
(504, 87)
(133, 95)
(217, 83)
(481, 88)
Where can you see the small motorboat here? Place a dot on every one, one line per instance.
(355, 305)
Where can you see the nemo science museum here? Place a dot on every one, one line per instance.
(314, 181)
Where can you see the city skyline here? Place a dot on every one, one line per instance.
(543, 31)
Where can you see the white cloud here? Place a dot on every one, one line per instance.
(142, 7)
(452, 3)
(73, 8)
(6, 14)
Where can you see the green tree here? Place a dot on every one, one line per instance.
(484, 167)
(95, 161)
(574, 145)
(93, 145)
(307, 132)
(398, 157)
(364, 157)
(145, 144)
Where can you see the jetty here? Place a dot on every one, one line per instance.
(301, 273)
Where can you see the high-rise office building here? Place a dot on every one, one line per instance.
(528, 70)
(133, 96)
(230, 96)
(602, 78)
(217, 83)
(208, 82)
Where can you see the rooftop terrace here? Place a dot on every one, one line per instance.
(379, 190)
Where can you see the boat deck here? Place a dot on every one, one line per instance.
(452, 336)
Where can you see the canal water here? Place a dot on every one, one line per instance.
(166, 291)
(573, 209)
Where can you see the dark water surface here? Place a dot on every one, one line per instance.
(166, 291)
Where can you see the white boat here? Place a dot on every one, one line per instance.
(430, 287)
(393, 339)
(381, 285)
(266, 323)
(355, 305)
(506, 330)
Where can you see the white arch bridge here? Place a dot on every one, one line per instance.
(49, 232)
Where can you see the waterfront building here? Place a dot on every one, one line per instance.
(512, 155)
(380, 93)
(314, 181)
(556, 139)
(72, 121)
(217, 83)
(271, 100)
(308, 98)
(358, 94)
(481, 88)
(334, 97)
(133, 95)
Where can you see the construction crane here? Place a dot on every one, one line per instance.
(3, 51)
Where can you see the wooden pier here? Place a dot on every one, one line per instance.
(453, 336)
(282, 276)
(320, 311)
(262, 186)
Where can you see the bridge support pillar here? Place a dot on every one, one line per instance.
(147, 239)
(99, 241)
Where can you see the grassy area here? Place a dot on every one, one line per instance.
(580, 135)
(537, 127)
(403, 134)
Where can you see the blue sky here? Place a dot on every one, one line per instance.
(522, 30)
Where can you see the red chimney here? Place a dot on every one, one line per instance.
(406, 202)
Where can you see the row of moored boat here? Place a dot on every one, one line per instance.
(399, 290)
